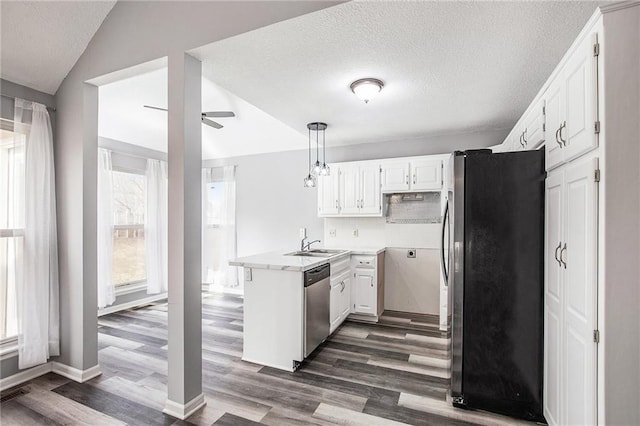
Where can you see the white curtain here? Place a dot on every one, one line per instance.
(219, 229)
(156, 232)
(39, 336)
(106, 289)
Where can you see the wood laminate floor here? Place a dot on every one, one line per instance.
(394, 372)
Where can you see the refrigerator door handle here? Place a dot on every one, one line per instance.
(445, 217)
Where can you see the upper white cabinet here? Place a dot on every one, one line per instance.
(356, 188)
(421, 174)
(534, 126)
(571, 106)
(427, 175)
(529, 132)
(328, 194)
(564, 116)
(395, 175)
(359, 188)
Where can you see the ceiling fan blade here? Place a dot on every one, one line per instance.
(154, 107)
(218, 114)
(212, 123)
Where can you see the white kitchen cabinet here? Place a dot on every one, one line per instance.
(364, 291)
(417, 174)
(533, 132)
(329, 194)
(359, 190)
(370, 196)
(340, 295)
(395, 176)
(570, 294)
(571, 106)
(426, 175)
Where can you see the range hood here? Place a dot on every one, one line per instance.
(413, 207)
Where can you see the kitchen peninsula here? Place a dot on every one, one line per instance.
(293, 301)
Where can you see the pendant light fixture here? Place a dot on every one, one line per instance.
(317, 169)
(367, 88)
(309, 181)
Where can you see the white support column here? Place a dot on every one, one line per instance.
(185, 299)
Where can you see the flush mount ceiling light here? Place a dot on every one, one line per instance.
(367, 88)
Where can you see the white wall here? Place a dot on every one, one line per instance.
(620, 330)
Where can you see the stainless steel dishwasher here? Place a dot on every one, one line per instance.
(317, 290)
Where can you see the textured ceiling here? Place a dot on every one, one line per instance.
(41, 41)
(447, 66)
(123, 117)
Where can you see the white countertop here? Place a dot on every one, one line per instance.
(280, 261)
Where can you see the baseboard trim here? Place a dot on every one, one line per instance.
(75, 374)
(182, 411)
(132, 304)
(24, 376)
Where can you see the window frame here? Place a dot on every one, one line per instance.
(9, 344)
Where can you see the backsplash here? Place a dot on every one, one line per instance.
(375, 231)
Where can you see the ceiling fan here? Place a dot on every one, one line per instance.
(205, 115)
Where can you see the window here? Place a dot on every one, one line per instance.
(12, 196)
(129, 199)
(216, 192)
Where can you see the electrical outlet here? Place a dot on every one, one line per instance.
(247, 274)
(332, 232)
(411, 253)
(355, 232)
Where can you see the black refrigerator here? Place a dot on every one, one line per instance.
(494, 268)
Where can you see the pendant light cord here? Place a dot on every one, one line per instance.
(317, 148)
(309, 149)
(324, 149)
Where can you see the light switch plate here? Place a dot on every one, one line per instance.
(332, 232)
(247, 274)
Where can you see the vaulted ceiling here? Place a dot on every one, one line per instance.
(40, 41)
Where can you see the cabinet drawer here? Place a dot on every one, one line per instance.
(366, 262)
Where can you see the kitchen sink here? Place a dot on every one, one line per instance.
(316, 253)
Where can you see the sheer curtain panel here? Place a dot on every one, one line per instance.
(156, 232)
(106, 289)
(39, 336)
(219, 229)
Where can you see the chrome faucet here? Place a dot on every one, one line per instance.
(305, 247)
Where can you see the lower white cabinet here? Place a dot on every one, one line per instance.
(570, 330)
(367, 287)
(340, 299)
(364, 291)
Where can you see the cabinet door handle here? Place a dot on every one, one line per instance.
(557, 137)
(362, 262)
(562, 252)
(520, 140)
(556, 253)
(407, 179)
(563, 126)
(342, 284)
(524, 138)
(414, 178)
